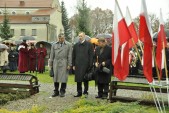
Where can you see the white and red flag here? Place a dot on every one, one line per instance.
(120, 47)
(161, 44)
(130, 24)
(145, 37)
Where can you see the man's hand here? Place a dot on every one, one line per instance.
(73, 67)
(97, 64)
(103, 63)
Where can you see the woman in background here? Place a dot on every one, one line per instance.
(42, 52)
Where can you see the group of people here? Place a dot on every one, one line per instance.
(81, 57)
(35, 57)
(23, 58)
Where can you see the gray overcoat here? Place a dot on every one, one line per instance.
(60, 59)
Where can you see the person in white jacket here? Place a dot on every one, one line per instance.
(4, 60)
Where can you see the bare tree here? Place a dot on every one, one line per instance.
(101, 21)
(154, 22)
(167, 24)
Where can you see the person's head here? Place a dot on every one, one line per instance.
(32, 46)
(81, 36)
(41, 45)
(61, 37)
(12, 46)
(101, 42)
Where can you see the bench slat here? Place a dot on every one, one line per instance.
(15, 85)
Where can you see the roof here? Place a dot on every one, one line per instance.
(46, 11)
(20, 19)
(25, 3)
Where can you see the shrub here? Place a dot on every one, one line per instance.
(101, 106)
(35, 109)
(4, 98)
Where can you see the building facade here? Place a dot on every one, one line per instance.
(41, 19)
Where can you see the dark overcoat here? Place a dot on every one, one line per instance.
(106, 57)
(82, 59)
(13, 58)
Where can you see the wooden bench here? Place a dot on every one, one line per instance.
(13, 83)
(132, 83)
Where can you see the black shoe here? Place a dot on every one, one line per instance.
(56, 93)
(78, 95)
(62, 94)
(98, 96)
(85, 93)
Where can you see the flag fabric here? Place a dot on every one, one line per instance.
(120, 48)
(130, 24)
(145, 37)
(161, 44)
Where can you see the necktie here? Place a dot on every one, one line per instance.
(60, 44)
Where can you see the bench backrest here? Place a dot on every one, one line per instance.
(20, 77)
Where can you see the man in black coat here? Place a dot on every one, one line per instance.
(102, 61)
(82, 60)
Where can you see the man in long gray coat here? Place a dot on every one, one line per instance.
(61, 61)
(82, 60)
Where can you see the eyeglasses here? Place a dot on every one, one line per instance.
(80, 36)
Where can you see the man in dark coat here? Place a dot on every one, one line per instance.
(32, 58)
(13, 58)
(82, 60)
(23, 57)
(102, 59)
(42, 52)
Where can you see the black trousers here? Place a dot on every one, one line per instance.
(86, 87)
(62, 88)
(103, 89)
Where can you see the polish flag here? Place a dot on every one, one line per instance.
(130, 24)
(161, 44)
(145, 36)
(120, 48)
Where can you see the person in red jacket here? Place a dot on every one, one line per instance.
(23, 55)
(32, 58)
(41, 52)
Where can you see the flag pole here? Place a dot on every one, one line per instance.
(136, 49)
(140, 45)
(159, 80)
(156, 100)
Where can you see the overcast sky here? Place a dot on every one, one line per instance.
(153, 6)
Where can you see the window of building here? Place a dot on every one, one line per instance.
(34, 32)
(22, 32)
(13, 12)
(12, 31)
